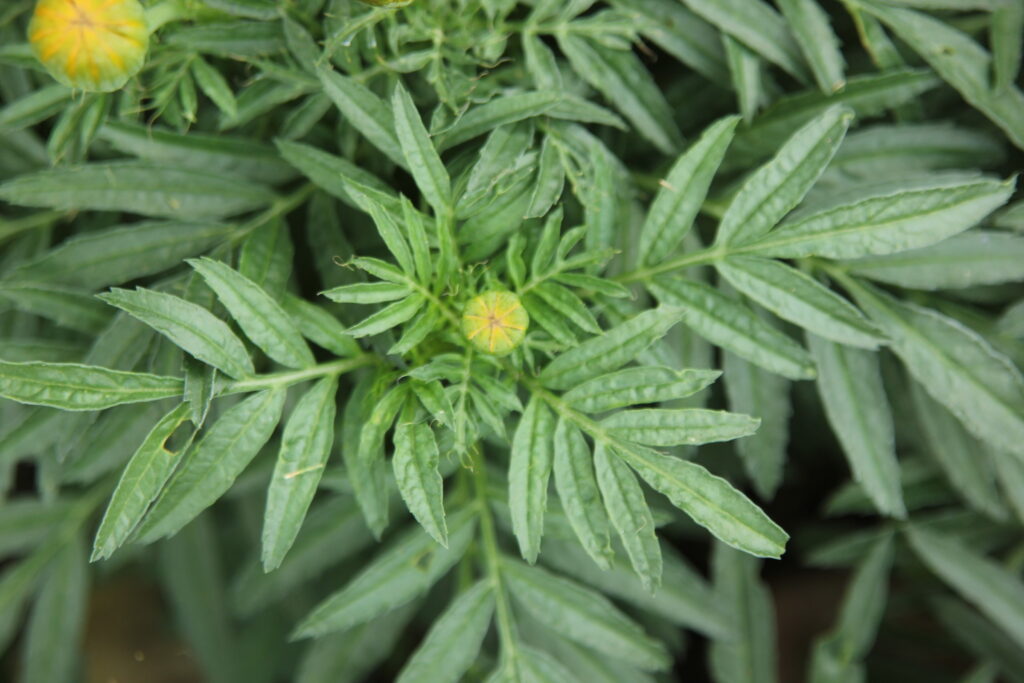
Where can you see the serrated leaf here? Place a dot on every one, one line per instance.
(726, 322)
(319, 326)
(630, 515)
(58, 616)
(211, 465)
(528, 474)
(369, 114)
(305, 445)
(957, 454)
(961, 62)
(257, 313)
(687, 427)
(365, 462)
(568, 305)
(864, 602)
(850, 387)
(70, 308)
(709, 500)
(189, 326)
(682, 192)
(215, 86)
(337, 175)
(70, 386)
(143, 477)
(383, 320)
(887, 223)
(415, 464)
(758, 26)
(649, 384)
(754, 391)
(810, 24)
(747, 73)
(368, 293)
(778, 186)
(681, 33)
(550, 181)
(137, 187)
(499, 111)
(410, 565)
(623, 80)
(578, 492)
(420, 154)
(748, 654)
(115, 255)
(266, 258)
(995, 591)
(610, 350)
(582, 615)
(956, 365)
(797, 297)
(454, 640)
(976, 257)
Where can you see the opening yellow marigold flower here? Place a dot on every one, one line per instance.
(495, 322)
(94, 45)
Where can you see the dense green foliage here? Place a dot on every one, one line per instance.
(234, 359)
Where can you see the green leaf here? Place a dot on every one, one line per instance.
(143, 477)
(70, 386)
(774, 189)
(319, 326)
(578, 492)
(747, 73)
(679, 32)
(335, 174)
(748, 654)
(957, 454)
(995, 591)
(850, 387)
(758, 26)
(864, 602)
(652, 384)
(236, 157)
(215, 86)
(550, 180)
(754, 391)
(67, 307)
(810, 24)
(500, 111)
(624, 82)
(528, 473)
(305, 446)
(266, 258)
(797, 297)
(383, 320)
(688, 427)
(415, 463)
(58, 616)
(726, 322)
(366, 112)
(137, 187)
(630, 515)
(1006, 33)
(257, 313)
(189, 326)
(368, 416)
(682, 192)
(420, 154)
(976, 257)
(582, 615)
(453, 642)
(956, 365)
(1010, 472)
(888, 223)
(406, 569)
(126, 252)
(709, 500)
(368, 293)
(684, 597)
(568, 305)
(610, 350)
(960, 61)
(211, 466)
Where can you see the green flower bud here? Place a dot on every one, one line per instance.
(495, 322)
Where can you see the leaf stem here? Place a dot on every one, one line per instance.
(697, 258)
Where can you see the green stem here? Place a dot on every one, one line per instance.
(492, 562)
(284, 379)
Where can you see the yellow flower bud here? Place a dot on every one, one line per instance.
(495, 322)
(94, 45)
